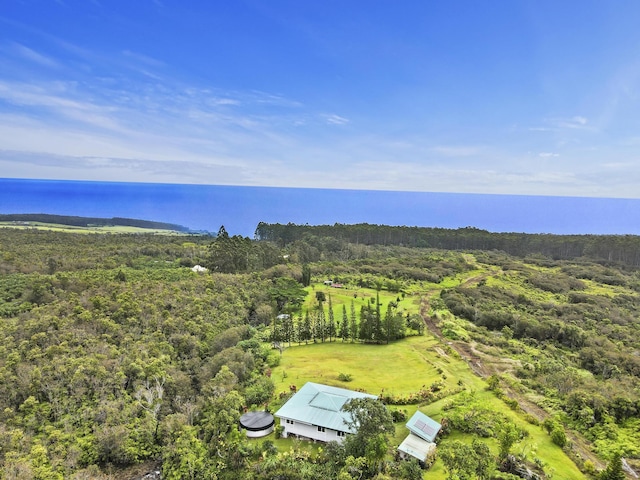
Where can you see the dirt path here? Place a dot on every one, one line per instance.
(475, 280)
(428, 321)
(484, 366)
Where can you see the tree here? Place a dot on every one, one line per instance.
(508, 434)
(373, 425)
(222, 233)
(459, 460)
(353, 323)
(220, 416)
(331, 325)
(410, 470)
(393, 323)
(558, 436)
(614, 469)
(306, 275)
(187, 458)
(288, 331)
(375, 451)
(388, 322)
(378, 333)
(286, 292)
(307, 329)
(299, 326)
(415, 322)
(344, 324)
(230, 254)
(363, 327)
(485, 465)
(260, 391)
(321, 325)
(149, 398)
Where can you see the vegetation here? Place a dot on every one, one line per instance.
(27, 218)
(115, 354)
(311, 240)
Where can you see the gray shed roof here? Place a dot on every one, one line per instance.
(320, 405)
(416, 447)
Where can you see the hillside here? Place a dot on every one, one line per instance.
(114, 354)
(74, 221)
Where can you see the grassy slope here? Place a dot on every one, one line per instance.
(403, 367)
(301, 364)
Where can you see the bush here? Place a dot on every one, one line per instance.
(558, 436)
(398, 416)
(345, 377)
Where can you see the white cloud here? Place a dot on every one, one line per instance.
(560, 124)
(576, 122)
(139, 57)
(148, 128)
(336, 119)
(33, 56)
(457, 150)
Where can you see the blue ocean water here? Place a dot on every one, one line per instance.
(239, 209)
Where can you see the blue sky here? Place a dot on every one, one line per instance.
(484, 96)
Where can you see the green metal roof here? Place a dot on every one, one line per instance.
(424, 427)
(321, 405)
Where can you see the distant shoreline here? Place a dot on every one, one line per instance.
(78, 221)
(204, 208)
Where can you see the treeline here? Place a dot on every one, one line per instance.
(370, 326)
(623, 249)
(46, 252)
(75, 221)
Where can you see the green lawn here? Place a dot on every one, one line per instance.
(399, 368)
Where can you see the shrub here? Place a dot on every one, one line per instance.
(398, 416)
(345, 377)
(558, 436)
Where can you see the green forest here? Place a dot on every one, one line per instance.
(117, 358)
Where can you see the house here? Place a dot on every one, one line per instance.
(315, 413)
(420, 443)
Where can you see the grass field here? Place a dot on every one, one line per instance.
(401, 368)
(359, 297)
(374, 368)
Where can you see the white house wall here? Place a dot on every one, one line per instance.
(310, 431)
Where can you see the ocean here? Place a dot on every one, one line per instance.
(240, 209)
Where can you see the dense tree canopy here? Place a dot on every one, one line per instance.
(113, 352)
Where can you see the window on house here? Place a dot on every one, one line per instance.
(341, 434)
(290, 422)
(321, 429)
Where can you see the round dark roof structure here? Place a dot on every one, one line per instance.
(256, 421)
